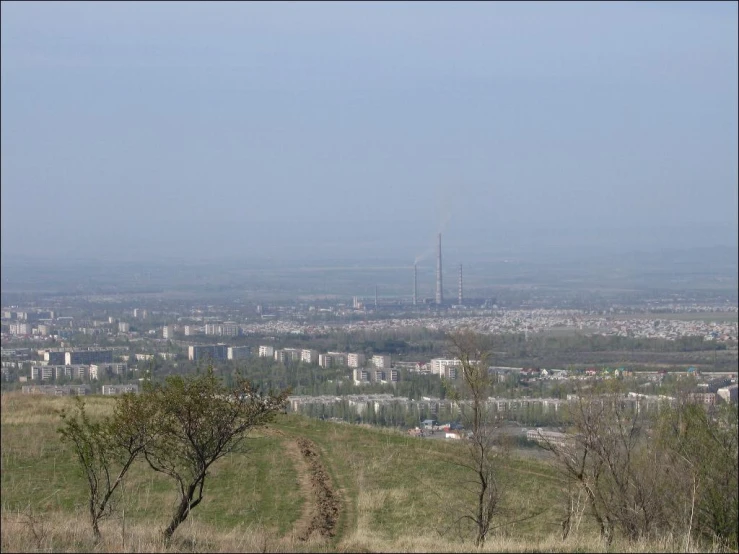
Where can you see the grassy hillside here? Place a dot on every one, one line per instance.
(300, 485)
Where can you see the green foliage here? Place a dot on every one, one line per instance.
(199, 421)
(106, 449)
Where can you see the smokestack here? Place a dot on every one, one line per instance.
(375, 296)
(415, 283)
(439, 293)
(461, 299)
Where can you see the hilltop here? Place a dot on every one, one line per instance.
(299, 485)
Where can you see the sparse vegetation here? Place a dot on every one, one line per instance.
(395, 493)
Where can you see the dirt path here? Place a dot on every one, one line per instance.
(324, 501)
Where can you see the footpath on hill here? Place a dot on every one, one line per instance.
(322, 508)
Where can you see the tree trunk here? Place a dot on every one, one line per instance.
(180, 515)
(94, 520)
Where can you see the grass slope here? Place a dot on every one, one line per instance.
(396, 493)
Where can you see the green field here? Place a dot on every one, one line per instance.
(395, 493)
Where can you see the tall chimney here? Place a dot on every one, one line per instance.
(439, 293)
(461, 298)
(375, 296)
(415, 283)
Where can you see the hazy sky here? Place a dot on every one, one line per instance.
(139, 129)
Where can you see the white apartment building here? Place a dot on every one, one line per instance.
(309, 356)
(381, 361)
(21, 329)
(355, 360)
(325, 360)
(213, 329)
(190, 330)
(266, 351)
(438, 365)
(116, 368)
(361, 376)
(338, 358)
(168, 332)
(124, 327)
(238, 352)
(230, 329)
(109, 390)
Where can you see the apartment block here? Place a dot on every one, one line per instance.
(110, 390)
(74, 357)
(355, 359)
(124, 327)
(266, 351)
(338, 358)
(309, 356)
(212, 351)
(381, 361)
(438, 364)
(238, 352)
(230, 329)
(168, 332)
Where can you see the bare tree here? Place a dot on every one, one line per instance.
(611, 456)
(199, 422)
(472, 393)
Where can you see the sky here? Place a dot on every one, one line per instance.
(205, 130)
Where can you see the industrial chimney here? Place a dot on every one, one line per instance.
(415, 283)
(439, 293)
(461, 299)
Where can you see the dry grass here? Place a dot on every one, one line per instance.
(399, 495)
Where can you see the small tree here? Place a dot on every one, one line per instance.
(472, 394)
(106, 449)
(199, 422)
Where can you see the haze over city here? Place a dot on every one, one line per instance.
(353, 131)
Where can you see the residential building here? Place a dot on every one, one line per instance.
(99, 370)
(20, 328)
(44, 330)
(230, 329)
(266, 351)
(55, 356)
(168, 332)
(438, 364)
(55, 390)
(109, 390)
(728, 394)
(325, 360)
(309, 356)
(74, 357)
(212, 351)
(238, 352)
(361, 376)
(381, 361)
(355, 360)
(338, 358)
(124, 327)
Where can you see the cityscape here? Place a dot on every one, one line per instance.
(369, 277)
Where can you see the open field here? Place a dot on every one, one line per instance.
(379, 491)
